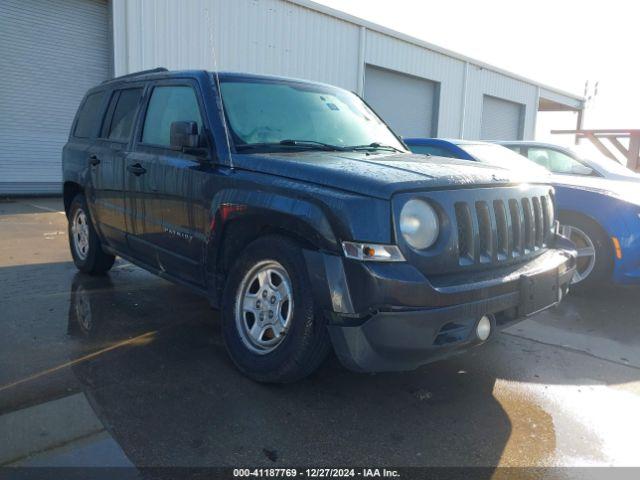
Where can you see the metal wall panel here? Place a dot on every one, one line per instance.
(52, 52)
(408, 104)
(301, 39)
(501, 119)
(265, 36)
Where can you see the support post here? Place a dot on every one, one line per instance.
(579, 122)
(633, 158)
(362, 60)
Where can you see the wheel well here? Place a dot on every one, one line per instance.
(237, 235)
(70, 190)
(240, 233)
(570, 214)
(605, 259)
(605, 239)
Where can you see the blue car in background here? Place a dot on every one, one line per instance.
(602, 217)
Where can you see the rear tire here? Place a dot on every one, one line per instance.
(269, 322)
(86, 248)
(591, 271)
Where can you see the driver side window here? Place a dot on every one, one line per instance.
(167, 105)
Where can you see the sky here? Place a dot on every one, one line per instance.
(561, 43)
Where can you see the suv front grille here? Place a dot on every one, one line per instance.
(490, 232)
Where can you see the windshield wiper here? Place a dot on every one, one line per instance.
(375, 146)
(311, 144)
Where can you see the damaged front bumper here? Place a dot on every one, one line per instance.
(390, 317)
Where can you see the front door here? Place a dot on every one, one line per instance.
(168, 212)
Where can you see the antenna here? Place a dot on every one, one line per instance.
(217, 80)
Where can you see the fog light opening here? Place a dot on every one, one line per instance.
(483, 329)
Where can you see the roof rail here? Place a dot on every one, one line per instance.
(135, 74)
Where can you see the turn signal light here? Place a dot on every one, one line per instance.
(616, 245)
(372, 252)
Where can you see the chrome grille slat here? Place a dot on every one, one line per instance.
(497, 230)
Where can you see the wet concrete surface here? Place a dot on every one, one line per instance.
(145, 360)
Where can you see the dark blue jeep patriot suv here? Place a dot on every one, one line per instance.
(299, 214)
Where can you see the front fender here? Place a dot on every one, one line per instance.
(318, 217)
(601, 209)
(300, 217)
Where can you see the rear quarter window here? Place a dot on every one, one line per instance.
(89, 116)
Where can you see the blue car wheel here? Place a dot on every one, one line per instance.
(595, 255)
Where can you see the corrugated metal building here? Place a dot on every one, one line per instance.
(53, 51)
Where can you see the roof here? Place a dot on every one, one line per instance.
(424, 44)
(531, 143)
(435, 141)
(161, 72)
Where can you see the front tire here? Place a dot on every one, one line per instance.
(269, 322)
(595, 252)
(86, 248)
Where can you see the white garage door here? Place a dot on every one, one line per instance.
(52, 52)
(408, 104)
(501, 119)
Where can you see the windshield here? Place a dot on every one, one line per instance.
(264, 113)
(500, 156)
(592, 157)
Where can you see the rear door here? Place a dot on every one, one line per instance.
(81, 141)
(169, 211)
(106, 158)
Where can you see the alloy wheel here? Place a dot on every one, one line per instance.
(586, 252)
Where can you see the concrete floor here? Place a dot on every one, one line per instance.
(129, 369)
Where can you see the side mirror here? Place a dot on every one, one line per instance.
(184, 134)
(581, 170)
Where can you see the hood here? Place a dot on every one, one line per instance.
(614, 171)
(377, 175)
(621, 189)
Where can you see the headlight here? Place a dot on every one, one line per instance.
(419, 224)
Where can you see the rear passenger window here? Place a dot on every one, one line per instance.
(168, 105)
(124, 114)
(88, 116)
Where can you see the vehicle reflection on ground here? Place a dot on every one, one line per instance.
(175, 398)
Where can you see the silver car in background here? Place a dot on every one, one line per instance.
(566, 161)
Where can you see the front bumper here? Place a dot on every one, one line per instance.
(389, 317)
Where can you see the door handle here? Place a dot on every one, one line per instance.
(94, 160)
(136, 169)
